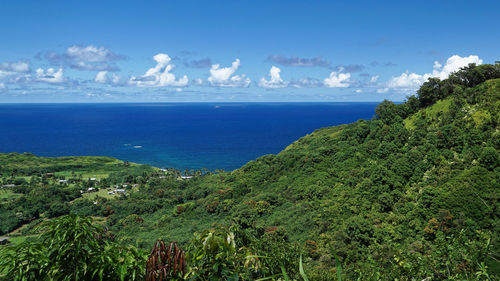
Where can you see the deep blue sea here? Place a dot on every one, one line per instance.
(174, 135)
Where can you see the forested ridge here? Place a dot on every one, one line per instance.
(409, 195)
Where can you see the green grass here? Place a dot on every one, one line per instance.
(6, 195)
(431, 114)
(98, 174)
(16, 240)
(88, 166)
(330, 132)
(103, 192)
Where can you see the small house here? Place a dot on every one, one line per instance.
(4, 240)
(119, 190)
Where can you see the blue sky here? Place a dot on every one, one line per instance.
(171, 51)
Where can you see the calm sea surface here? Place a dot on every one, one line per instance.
(178, 135)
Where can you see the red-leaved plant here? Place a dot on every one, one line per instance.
(166, 263)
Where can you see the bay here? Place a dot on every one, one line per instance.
(169, 135)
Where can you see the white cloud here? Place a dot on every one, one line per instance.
(85, 58)
(359, 91)
(101, 77)
(14, 68)
(159, 76)
(412, 81)
(90, 53)
(2, 85)
(105, 78)
(453, 64)
(276, 80)
(198, 81)
(50, 75)
(408, 80)
(337, 80)
(374, 78)
(115, 79)
(306, 83)
(383, 90)
(223, 77)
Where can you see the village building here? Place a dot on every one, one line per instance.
(4, 240)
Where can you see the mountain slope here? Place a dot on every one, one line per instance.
(420, 178)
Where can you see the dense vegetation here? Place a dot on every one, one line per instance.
(409, 195)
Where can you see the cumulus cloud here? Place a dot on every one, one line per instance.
(104, 77)
(159, 76)
(223, 76)
(91, 53)
(296, 61)
(14, 68)
(408, 80)
(198, 81)
(453, 64)
(101, 77)
(275, 82)
(337, 80)
(50, 75)
(412, 81)
(86, 58)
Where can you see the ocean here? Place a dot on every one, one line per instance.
(169, 135)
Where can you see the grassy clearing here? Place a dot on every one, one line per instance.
(15, 240)
(98, 174)
(6, 195)
(103, 192)
(27, 164)
(430, 114)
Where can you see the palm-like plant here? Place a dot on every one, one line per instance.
(71, 248)
(214, 255)
(166, 262)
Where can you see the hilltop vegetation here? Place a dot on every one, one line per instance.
(409, 195)
(34, 188)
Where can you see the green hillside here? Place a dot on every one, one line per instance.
(412, 194)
